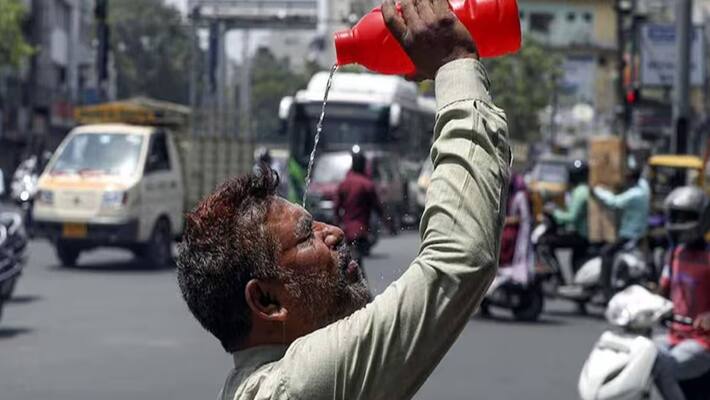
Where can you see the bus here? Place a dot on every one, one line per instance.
(375, 112)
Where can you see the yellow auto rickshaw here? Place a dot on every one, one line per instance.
(668, 172)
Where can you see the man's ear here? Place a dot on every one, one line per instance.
(262, 300)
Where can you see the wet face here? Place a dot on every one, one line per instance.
(322, 281)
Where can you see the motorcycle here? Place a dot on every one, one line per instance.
(620, 365)
(13, 243)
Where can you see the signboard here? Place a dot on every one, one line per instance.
(263, 14)
(658, 55)
(580, 74)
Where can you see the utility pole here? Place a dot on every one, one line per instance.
(681, 92)
(102, 34)
(245, 88)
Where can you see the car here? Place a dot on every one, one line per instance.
(330, 170)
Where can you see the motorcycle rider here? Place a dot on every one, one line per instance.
(633, 204)
(685, 352)
(355, 201)
(573, 219)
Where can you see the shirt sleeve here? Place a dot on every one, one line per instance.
(616, 201)
(572, 213)
(388, 349)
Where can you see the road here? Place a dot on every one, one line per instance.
(112, 329)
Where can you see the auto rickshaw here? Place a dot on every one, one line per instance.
(547, 182)
(667, 172)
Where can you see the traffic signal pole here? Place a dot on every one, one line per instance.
(681, 86)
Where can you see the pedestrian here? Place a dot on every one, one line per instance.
(633, 204)
(355, 202)
(281, 292)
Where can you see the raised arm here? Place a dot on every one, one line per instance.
(388, 349)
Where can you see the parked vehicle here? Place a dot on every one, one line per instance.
(125, 178)
(620, 364)
(330, 169)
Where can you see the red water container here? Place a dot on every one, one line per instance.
(494, 25)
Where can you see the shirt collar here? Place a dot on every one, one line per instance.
(254, 357)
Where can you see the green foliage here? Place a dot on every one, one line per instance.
(272, 79)
(522, 85)
(151, 46)
(13, 46)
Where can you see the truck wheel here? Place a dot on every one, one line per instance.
(532, 306)
(67, 254)
(160, 247)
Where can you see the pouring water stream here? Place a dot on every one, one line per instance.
(319, 128)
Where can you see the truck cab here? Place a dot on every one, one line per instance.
(113, 184)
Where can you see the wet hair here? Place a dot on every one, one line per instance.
(358, 163)
(225, 245)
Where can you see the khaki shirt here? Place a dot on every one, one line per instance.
(388, 349)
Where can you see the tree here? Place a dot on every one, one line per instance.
(13, 46)
(272, 79)
(151, 45)
(522, 85)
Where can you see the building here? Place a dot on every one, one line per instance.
(39, 97)
(300, 46)
(584, 34)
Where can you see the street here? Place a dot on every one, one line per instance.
(112, 329)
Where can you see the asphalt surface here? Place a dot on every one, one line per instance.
(113, 329)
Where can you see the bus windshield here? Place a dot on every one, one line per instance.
(343, 126)
(106, 154)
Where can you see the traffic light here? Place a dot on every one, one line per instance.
(632, 96)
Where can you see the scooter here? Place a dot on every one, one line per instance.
(621, 362)
(629, 267)
(517, 289)
(549, 270)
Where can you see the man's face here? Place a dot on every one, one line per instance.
(323, 282)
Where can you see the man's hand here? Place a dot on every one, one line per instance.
(430, 34)
(702, 322)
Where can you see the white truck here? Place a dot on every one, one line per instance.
(125, 177)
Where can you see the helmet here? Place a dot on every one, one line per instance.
(686, 210)
(359, 160)
(578, 172)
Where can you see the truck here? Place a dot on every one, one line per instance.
(126, 175)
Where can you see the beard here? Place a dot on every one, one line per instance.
(326, 296)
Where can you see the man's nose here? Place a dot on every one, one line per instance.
(333, 235)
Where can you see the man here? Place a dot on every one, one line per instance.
(281, 292)
(573, 219)
(685, 352)
(355, 201)
(633, 204)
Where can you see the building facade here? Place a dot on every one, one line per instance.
(584, 34)
(38, 98)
